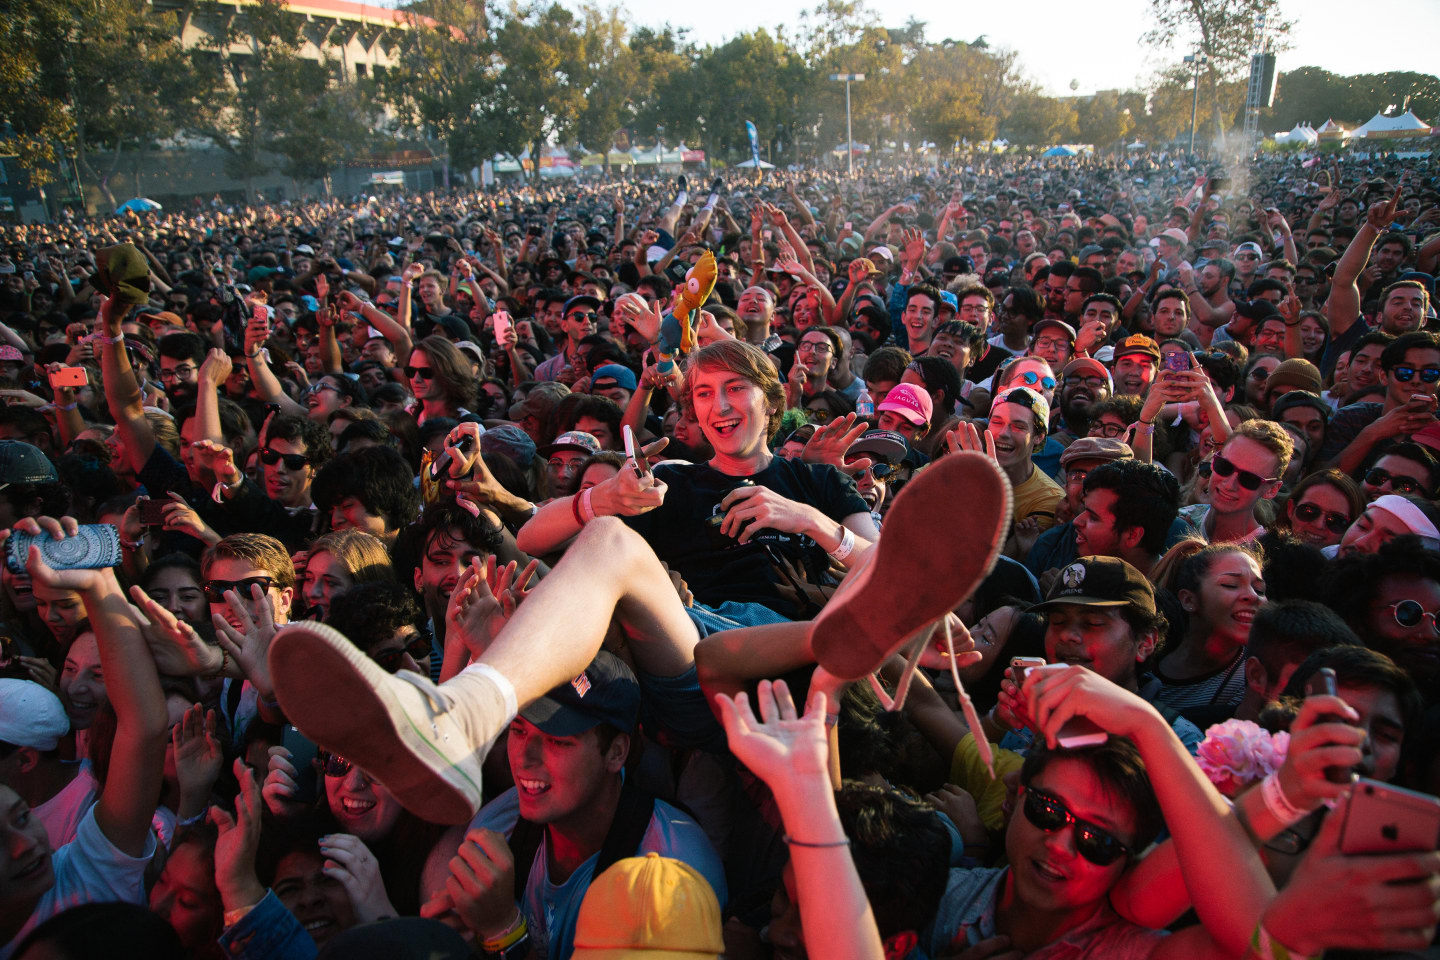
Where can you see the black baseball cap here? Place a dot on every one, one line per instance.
(22, 463)
(1101, 582)
(607, 692)
(579, 300)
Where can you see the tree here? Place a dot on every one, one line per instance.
(1038, 120)
(1313, 95)
(1103, 121)
(1223, 30)
(446, 71)
(950, 106)
(541, 89)
(34, 85)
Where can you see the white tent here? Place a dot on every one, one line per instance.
(752, 164)
(1404, 125)
(1301, 133)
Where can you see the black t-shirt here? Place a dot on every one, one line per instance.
(983, 369)
(719, 568)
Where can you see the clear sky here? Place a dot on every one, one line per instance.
(1097, 45)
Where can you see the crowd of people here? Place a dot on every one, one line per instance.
(460, 574)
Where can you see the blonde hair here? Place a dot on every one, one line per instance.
(1272, 437)
(747, 361)
(259, 550)
(361, 554)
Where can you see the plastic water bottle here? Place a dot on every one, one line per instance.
(864, 406)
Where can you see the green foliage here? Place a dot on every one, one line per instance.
(1313, 95)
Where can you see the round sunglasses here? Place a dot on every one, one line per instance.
(1030, 378)
(1409, 614)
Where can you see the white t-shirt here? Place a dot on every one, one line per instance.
(61, 814)
(89, 869)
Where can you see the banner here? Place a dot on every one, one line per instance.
(754, 136)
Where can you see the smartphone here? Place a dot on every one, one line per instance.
(1322, 683)
(1380, 818)
(303, 754)
(502, 324)
(69, 377)
(152, 512)
(1020, 666)
(93, 547)
(632, 451)
(1177, 360)
(849, 225)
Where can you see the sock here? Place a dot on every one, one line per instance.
(710, 201)
(501, 683)
(682, 198)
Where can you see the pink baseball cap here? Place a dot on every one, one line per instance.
(910, 401)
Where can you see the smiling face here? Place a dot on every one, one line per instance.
(82, 682)
(319, 902)
(1330, 503)
(732, 411)
(325, 576)
(25, 861)
(177, 591)
(1230, 593)
(559, 778)
(61, 610)
(1416, 648)
(1013, 428)
(1049, 874)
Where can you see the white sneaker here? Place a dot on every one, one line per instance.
(423, 742)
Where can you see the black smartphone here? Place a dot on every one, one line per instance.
(303, 756)
(1322, 683)
(152, 512)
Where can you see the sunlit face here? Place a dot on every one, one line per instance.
(600, 430)
(1319, 509)
(731, 410)
(362, 806)
(234, 569)
(1013, 429)
(318, 901)
(1312, 336)
(1133, 373)
(1230, 593)
(557, 778)
(1395, 474)
(1402, 310)
(1308, 421)
(1228, 495)
(919, 318)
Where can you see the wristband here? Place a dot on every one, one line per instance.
(233, 917)
(105, 341)
(1278, 804)
(1265, 947)
(1144, 426)
(219, 488)
(847, 544)
(224, 665)
(66, 406)
(512, 935)
(131, 545)
(575, 509)
(817, 846)
(587, 509)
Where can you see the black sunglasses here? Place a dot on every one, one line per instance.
(1094, 843)
(215, 589)
(424, 373)
(1378, 478)
(417, 646)
(334, 765)
(879, 470)
(293, 461)
(1406, 373)
(1248, 480)
(1334, 522)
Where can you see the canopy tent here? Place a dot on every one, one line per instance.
(645, 158)
(506, 164)
(593, 160)
(139, 205)
(619, 158)
(752, 164)
(854, 148)
(1060, 151)
(1404, 125)
(1331, 131)
(1137, 145)
(1302, 133)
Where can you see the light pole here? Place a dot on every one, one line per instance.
(849, 137)
(1199, 59)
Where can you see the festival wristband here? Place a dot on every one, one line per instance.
(847, 544)
(1278, 804)
(1265, 947)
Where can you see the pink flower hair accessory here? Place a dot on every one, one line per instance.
(1239, 753)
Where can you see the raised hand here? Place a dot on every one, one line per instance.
(781, 744)
(350, 862)
(237, 844)
(178, 650)
(965, 436)
(198, 756)
(249, 644)
(829, 443)
(481, 887)
(1383, 213)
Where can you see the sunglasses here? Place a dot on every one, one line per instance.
(417, 646)
(1030, 378)
(1334, 522)
(215, 589)
(424, 373)
(1259, 373)
(293, 461)
(879, 470)
(1378, 478)
(1248, 480)
(1407, 373)
(587, 316)
(1409, 614)
(334, 765)
(1094, 843)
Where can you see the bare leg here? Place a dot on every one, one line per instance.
(608, 568)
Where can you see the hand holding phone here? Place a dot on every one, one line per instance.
(502, 325)
(633, 452)
(1322, 683)
(70, 377)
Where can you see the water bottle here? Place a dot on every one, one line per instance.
(864, 406)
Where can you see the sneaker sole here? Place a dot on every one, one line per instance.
(941, 539)
(339, 698)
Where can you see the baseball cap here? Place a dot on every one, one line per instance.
(22, 463)
(884, 445)
(1028, 399)
(1250, 247)
(1298, 373)
(540, 400)
(1084, 365)
(1096, 448)
(1429, 437)
(649, 908)
(30, 715)
(883, 252)
(958, 264)
(578, 300)
(1068, 330)
(1089, 250)
(1176, 236)
(948, 299)
(910, 402)
(306, 249)
(472, 348)
(607, 692)
(8, 352)
(1100, 582)
(572, 440)
(1257, 310)
(1137, 343)
(613, 375)
(512, 442)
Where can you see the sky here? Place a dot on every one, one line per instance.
(1060, 41)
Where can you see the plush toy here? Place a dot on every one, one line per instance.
(699, 282)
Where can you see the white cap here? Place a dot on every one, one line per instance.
(883, 251)
(30, 715)
(305, 248)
